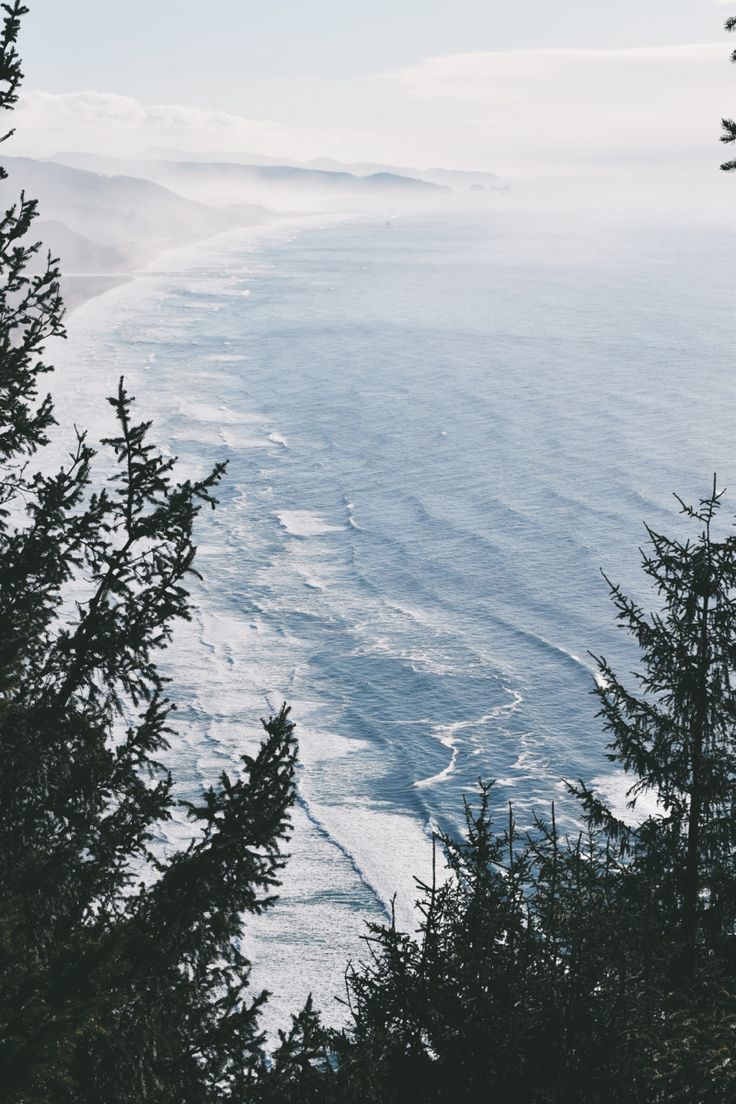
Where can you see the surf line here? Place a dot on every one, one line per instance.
(446, 734)
(314, 820)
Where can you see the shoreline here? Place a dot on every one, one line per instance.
(80, 288)
(331, 838)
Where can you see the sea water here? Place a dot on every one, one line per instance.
(438, 429)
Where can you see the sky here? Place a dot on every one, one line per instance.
(523, 87)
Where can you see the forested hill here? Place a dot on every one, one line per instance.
(458, 180)
(227, 182)
(103, 227)
(106, 217)
(115, 209)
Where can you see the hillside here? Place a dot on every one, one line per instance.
(104, 227)
(284, 186)
(459, 180)
(120, 209)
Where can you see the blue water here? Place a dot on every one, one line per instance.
(437, 431)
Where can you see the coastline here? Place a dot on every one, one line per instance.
(79, 288)
(331, 855)
(234, 357)
(86, 366)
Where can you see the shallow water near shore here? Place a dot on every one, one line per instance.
(438, 430)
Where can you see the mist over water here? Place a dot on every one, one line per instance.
(438, 428)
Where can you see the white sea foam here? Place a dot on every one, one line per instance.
(352, 521)
(225, 358)
(422, 660)
(305, 523)
(317, 744)
(200, 305)
(237, 440)
(278, 439)
(613, 789)
(197, 434)
(387, 848)
(209, 548)
(219, 414)
(447, 734)
(531, 764)
(313, 584)
(585, 664)
(303, 945)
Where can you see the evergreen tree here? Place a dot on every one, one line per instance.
(509, 992)
(300, 1069)
(729, 125)
(677, 736)
(122, 977)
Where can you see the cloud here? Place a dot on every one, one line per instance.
(111, 123)
(508, 110)
(480, 76)
(580, 104)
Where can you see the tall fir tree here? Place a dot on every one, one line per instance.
(677, 734)
(122, 976)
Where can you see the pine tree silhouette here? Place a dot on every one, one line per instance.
(729, 125)
(122, 976)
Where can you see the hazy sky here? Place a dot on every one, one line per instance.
(516, 86)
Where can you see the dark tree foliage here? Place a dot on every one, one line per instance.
(301, 1067)
(122, 977)
(729, 125)
(585, 967)
(31, 308)
(677, 735)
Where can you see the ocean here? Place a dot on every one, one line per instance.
(439, 428)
